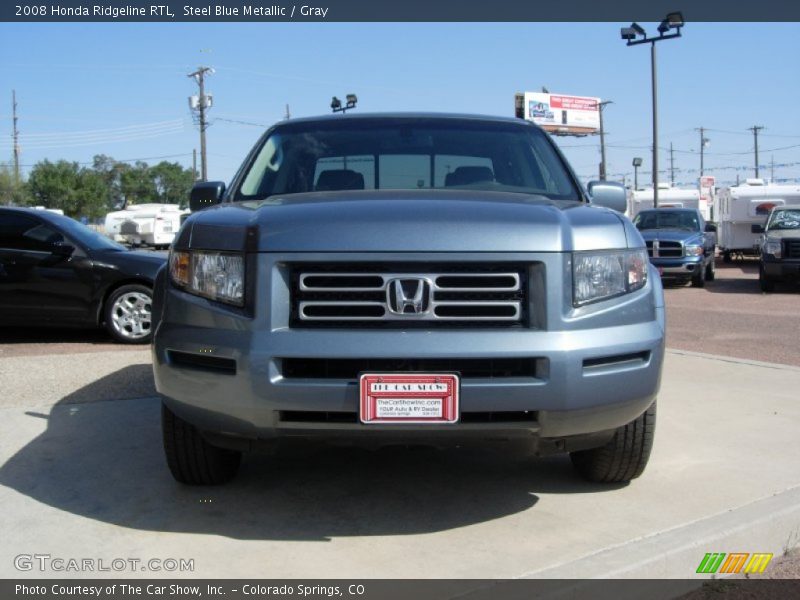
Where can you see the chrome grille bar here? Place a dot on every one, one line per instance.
(373, 296)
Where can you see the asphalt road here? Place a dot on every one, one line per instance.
(732, 317)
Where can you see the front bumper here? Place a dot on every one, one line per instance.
(678, 267)
(588, 379)
(788, 269)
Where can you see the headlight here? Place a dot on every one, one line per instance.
(773, 247)
(601, 275)
(694, 250)
(213, 275)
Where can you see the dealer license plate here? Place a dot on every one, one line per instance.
(422, 398)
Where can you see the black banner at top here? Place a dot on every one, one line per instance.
(395, 10)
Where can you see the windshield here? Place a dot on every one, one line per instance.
(667, 219)
(88, 237)
(785, 218)
(407, 154)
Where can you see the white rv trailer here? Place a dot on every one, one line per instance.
(740, 207)
(668, 197)
(151, 224)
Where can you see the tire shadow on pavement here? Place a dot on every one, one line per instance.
(102, 459)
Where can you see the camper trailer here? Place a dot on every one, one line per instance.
(742, 206)
(668, 197)
(150, 224)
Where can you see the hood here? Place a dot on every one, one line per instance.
(136, 263)
(780, 234)
(671, 235)
(405, 221)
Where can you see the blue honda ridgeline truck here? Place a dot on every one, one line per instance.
(404, 277)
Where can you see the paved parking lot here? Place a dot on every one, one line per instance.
(731, 317)
(82, 472)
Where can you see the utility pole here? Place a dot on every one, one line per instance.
(15, 134)
(772, 168)
(600, 108)
(755, 129)
(671, 164)
(203, 104)
(703, 143)
(288, 115)
(194, 164)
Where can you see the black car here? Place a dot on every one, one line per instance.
(57, 272)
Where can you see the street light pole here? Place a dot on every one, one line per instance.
(637, 162)
(672, 21)
(655, 121)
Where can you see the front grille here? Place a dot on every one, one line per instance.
(468, 368)
(791, 248)
(408, 295)
(664, 249)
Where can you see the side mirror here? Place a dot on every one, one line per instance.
(205, 194)
(609, 194)
(711, 228)
(756, 229)
(62, 249)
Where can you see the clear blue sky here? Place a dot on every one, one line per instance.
(121, 88)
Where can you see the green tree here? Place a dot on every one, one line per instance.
(173, 182)
(137, 185)
(65, 185)
(12, 191)
(111, 172)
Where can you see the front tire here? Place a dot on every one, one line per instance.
(766, 284)
(698, 279)
(625, 455)
(711, 273)
(128, 314)
(190, 458)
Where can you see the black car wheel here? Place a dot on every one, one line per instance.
(191, 459)
(128, 314)
(625, 455)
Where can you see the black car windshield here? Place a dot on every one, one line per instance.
(667, 219)
(406, 154)
(88, 237)
(784, 218)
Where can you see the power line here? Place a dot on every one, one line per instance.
(126, 160)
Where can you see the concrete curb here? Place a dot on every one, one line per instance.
(771, 524)
(733, 359)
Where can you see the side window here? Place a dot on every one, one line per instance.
(21, 232)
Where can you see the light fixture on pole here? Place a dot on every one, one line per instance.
(673, 21)
(336, 104)
(637, 162)
(600, 108)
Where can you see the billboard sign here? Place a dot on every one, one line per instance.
(560, 114)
